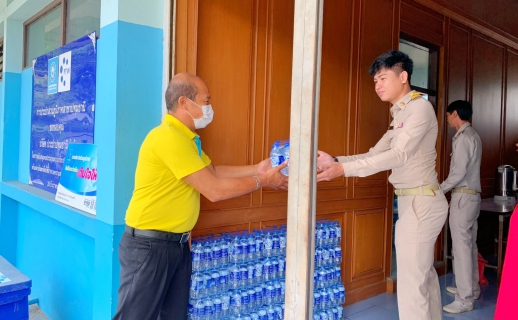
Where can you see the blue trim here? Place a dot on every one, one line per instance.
(10, 122)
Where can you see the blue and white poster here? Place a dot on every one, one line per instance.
(78, 183)
(63, 107)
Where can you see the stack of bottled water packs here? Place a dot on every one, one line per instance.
(241, 275)
(280, 152)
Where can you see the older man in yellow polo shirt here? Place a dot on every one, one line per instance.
(172, 171)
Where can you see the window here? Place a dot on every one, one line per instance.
(424, 77)
(63, 21)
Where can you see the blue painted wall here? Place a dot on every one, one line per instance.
(72, 257)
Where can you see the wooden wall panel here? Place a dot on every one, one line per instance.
(511, 114)
(368, 228)
(422, 23)
(372, 114)
(457, 84)
(487, 102)
(335, 80)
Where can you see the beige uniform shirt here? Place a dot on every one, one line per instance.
(408, 149)
(466, 157)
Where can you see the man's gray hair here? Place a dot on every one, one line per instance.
(176, 89)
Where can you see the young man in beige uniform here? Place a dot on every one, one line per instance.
(464, 183)
(408, 148)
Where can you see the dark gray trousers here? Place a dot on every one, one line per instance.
(155, 277)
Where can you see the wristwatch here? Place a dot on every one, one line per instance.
(336, 159)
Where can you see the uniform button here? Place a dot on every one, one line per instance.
(402, 104)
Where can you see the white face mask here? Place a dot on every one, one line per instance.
(208, 115)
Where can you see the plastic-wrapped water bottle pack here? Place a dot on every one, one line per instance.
(240, 275)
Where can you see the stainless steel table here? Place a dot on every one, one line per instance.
(487, 207)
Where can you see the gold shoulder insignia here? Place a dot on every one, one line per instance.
(414, 95)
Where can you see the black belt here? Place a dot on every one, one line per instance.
(162, 235)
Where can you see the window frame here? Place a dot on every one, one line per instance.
(63, 35)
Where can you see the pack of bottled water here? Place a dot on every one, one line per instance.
(241, 275)
(280, 152)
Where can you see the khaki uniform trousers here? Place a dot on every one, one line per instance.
(420, 221)
(464, 211)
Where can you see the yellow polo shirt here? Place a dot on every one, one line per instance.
(161, 199)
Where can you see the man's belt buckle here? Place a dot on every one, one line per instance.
(185, 237)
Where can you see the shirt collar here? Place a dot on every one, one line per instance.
(402, 103)
(461, 129)
(178, 125)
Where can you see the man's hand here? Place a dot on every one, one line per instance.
(264, 166)
(329, 171)
(273, 178)
(324, 158)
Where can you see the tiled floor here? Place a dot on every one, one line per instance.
(384, 306)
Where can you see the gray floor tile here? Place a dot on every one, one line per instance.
(374, 313)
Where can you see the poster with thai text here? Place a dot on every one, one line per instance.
(63, 107)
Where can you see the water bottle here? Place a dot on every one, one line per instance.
(252, 298)
(245, 300)
(325, 256)
(316, 315)
(276, 156)
(262, 314)
(210, 283)
(224, 279)
(278, 292)
(268, 244)
(243, 270)
(282, 267)
(318, 235)
(251, 274)
(218, 307)
(332, 234)
(318, 257)
(341, 288)
(259, 244)
(198, 309)
(251, 247)
(276, 245)
(269, 294)
(196, 256)
(330, 314)
(325, 234)
(336, 295)
(254, 316)
(224, 251)
(258, 296)
(338, 274)
(268, 270)
(286, 153)
(209, 309)
(235, 276)
(225, 305)
(235, 303)
(270, 312)
(338, 229)
(259, 271)
(216, 288)
(324, 316)
(275, 265)
(282, 241)
(340, 312)
(325, 298)
(317, 300)
(244, 244)
(197, 285)
(216, 254)
(207, 256)
(279, 314)
(235, 250)
(331, 252)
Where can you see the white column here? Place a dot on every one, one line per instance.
(305, 92)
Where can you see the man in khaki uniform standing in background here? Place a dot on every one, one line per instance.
(464, 181)
(408, 148)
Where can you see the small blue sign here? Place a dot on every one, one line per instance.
(78, 182)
